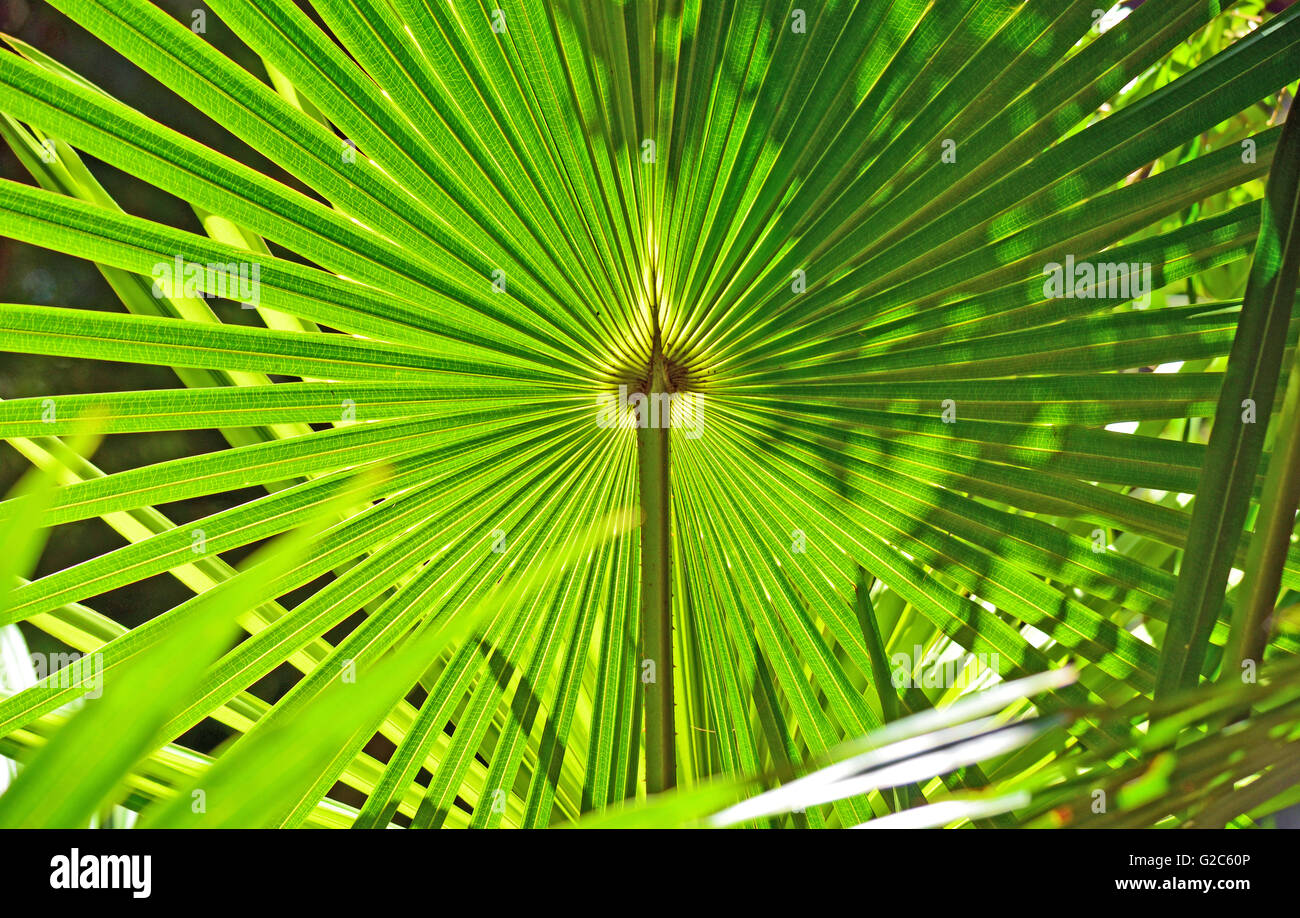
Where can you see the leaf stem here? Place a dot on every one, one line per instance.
(652, 450)
(1262, 576)
(1227, 482)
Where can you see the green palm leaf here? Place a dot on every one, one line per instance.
(878, 463)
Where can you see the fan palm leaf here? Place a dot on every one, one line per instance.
(816, 246)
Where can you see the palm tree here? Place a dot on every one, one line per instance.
(670, 394)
